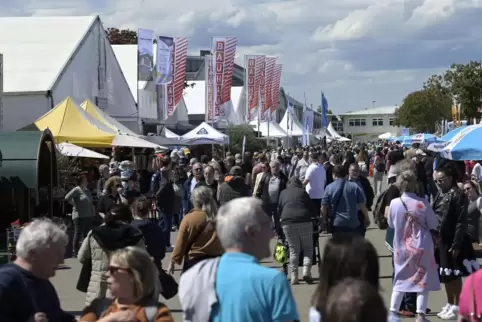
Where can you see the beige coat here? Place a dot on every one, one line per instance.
(90, 249)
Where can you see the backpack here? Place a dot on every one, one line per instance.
(380, 166)
(150, 310)
(379, 211)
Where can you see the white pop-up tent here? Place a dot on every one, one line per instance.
(171, 135)
(292, 126)
(205, 134)
(275, 131)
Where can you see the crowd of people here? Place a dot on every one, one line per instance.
(227, 211)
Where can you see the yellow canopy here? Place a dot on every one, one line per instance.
(69, 123)
(104, 118)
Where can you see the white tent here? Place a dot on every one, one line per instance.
(205, 134)
(72, 150)
(275, 131)
(385, 136)
(332, 132)
(293, 127)
(171, 135)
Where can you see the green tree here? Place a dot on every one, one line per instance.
(122, 36)
(318, 109)
(236, 134)
(464, 82)
(422, 110)
(128, 37)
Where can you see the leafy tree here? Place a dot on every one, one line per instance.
(122, 36)
(318, 109)
(423, 109)
(236, 134)
(128, 37)
(464, 82)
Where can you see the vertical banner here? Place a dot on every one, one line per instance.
(164, 60)
(208, 69)
(266, 90)
(179, 71)
(275, 86)
(1, 93)
(224, 50)
(145, 55)
(251, 81)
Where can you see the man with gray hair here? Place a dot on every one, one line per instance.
(262, 294)
(25, 289)
(269, 189)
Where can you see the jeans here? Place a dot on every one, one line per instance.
(409, 301)
(377, 182)
(337, 230)
(166, 225)
(82, 226)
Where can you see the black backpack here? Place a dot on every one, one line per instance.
(379, 211)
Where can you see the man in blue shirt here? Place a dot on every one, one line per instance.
(341, 202)
(236, 287)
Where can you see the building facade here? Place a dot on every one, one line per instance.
(368, 124)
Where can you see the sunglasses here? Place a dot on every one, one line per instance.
(116, 269)
(197, 169)
(118, 186)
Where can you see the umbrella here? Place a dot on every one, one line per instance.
(422, 138)
(72, 150)
(465, 145)
(450, 135)
(385, 136)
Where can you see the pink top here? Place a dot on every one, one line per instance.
(469, 294)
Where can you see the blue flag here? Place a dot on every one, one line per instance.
(324, 111)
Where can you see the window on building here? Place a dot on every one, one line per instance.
(377, 122)
(392, 121)
(338, 126)
(357, 122)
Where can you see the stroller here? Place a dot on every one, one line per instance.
(281, 254)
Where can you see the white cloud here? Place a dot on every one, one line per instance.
(356, 51)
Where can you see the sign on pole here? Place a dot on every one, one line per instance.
(1, 92)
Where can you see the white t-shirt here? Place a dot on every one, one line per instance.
(316, 175)
(315, 316)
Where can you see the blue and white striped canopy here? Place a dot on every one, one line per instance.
(465, 145)
(450, 135)
(422, 138)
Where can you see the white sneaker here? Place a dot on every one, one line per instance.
(444, 310)
(451, 314)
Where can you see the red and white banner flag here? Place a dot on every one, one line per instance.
(222, 66)
(275, 86)
(253, 65)
(266, 90)
(176, 87)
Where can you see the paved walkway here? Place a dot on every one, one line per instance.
(72, 300)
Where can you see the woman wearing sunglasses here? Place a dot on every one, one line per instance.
(132, 280)
(474, 209)
(455, 255)
(114, 234)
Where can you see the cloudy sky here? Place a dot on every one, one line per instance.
(356, 51)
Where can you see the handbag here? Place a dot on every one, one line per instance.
(168, 284)
(84, 276)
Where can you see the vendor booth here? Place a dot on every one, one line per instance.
(28, 172)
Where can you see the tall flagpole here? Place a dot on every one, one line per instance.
(259, 110)
(288, 120)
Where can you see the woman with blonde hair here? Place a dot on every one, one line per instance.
(134, 284)
(415, 224)
(197, 239)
